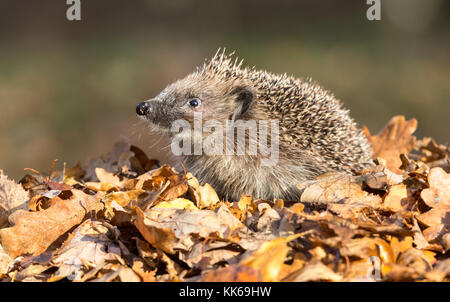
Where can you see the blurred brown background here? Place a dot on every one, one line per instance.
(69, 89)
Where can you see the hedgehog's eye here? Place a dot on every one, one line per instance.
(194, 103)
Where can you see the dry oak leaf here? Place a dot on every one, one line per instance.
(379, 177)
(34, 232)
(313, 271)
(172, 229)
(432, 151)
(120, 202)
(395, 138)
(165, 182)
(128, 275)
(366, 247)
(340, 192)
(269, 257)
(6, 262)
(178, 203)
(12, 197)
(397, 198)
(437, 197)
(210, 253)
(142, 270)
(440, 271)
(238, 273)
(399, 247)
(88, 247)
(204, 196)
(109, 178)
(359, 271)
(439, 191)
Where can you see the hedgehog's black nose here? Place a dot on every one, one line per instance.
(143, 108)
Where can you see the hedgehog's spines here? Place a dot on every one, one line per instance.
(316, 133)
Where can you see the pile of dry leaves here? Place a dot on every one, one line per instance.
(123, 217)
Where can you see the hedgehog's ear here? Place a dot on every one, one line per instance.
(243, 99)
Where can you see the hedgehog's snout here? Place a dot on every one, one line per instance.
(143, 108)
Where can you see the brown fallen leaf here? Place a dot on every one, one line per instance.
(334, 188)
(74, 172)
(269, 257)
(438, 197)
(360, 271)
(397, 198)
(440, 271)
(365, 247)
(128, 275)
(34, 232)
(313, 271)
(399, 247)
(237, 273)
(6, 262)
(439, 191)
(88, 247)
(340, 192)
(434, 154)
(173, 229)
(109, 178)
(142, 160)
(419, 261)
(12, 197)
(204, 196)
(446, 241)
(178, 203)
(209, 253)
(394, 139)
(32, 273)
(379, 177)
(142, 270)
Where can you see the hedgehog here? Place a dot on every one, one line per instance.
(315, 134)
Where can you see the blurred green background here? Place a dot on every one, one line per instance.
(69, 89)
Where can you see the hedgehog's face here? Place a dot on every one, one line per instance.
(195, 97)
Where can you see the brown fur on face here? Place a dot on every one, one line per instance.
(316, 134)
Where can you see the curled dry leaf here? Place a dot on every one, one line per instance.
(172, 229)
(239, 273)
(34, 232)
(204, 196)
(314, 271)
(439, 191)
(440, 271)
(12, 197)
(89, 247)
(379, 177)
(210, 253)
(269, 257)
(108, 178)
(340, 192)
(6, 262)
(435, 155)
(142, 270)
(437, 197)
(397, 198)
(179, 203)
(395, 138)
